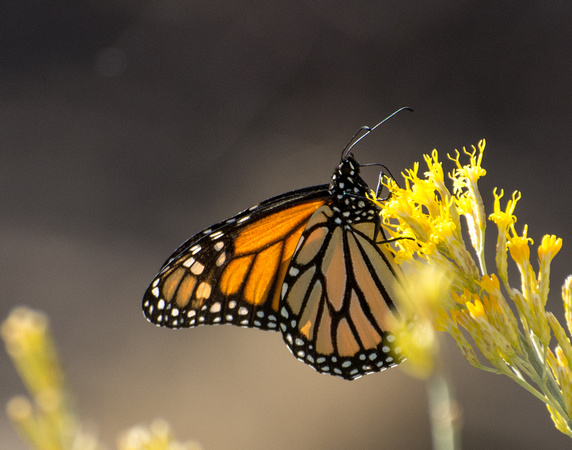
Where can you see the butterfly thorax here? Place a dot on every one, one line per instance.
(349, 194)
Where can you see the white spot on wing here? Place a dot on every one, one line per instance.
(189, 262)
(216, 235)
(197, 268)
(221, 259)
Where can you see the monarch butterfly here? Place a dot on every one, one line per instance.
(313, 264)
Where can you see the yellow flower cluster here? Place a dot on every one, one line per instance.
(48, 422)
(424, 218)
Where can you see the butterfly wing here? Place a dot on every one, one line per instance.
(337, 303)
(232, 272)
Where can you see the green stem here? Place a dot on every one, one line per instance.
(541, 377)
(444, 413)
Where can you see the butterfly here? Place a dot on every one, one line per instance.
(313, 264)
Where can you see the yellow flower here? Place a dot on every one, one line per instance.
(519, 249)
(469, 174)
(468, 197)
(547, 250)
(550, 246)
(505, 218)
(529, 300)
(426, 213)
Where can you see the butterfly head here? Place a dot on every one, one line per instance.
(350, 192)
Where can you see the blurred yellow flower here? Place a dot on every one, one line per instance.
(157, 437)
(48, 421)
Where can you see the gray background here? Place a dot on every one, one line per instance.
(126, 128)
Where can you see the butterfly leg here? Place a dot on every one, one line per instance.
(380, 188)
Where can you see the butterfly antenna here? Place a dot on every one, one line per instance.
(364, 131)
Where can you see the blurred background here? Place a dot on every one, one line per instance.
(127, 126)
